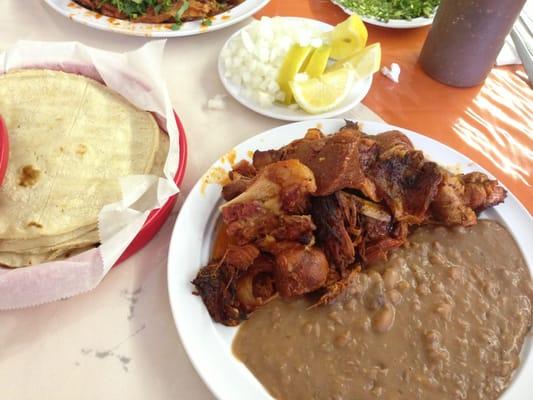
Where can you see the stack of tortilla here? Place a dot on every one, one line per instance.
(71, 139)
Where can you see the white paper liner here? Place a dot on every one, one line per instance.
(136, 76)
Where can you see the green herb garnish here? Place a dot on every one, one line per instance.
(206, 22)
(384, 10)
(135, 8)
(184, 7)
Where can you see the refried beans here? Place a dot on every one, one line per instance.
(444, 318)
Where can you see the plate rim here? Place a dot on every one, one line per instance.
(202, 362)
(61, 6)
(362, 87)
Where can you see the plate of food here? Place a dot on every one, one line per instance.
(339, 259)
(165, 18)
(296, 69)
(392, 14)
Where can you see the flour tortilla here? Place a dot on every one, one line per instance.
(21, 253)
(80, 137)
(84, 239)
(22, 245)
(18, 260)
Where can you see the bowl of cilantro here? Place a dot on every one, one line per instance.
(398, 14)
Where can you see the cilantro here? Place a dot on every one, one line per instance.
(384, 10)
(135, 8)
(176, 26)
(184, 7)
(177, 18)
(206, 22)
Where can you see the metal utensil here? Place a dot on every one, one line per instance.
(523, 46)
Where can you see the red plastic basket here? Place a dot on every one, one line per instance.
(158, 217)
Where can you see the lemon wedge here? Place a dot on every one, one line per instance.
(365, 62)
(318, 95)
(318, 62)
(348, 37)
(295, 59)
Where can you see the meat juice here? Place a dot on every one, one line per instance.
(465, 39)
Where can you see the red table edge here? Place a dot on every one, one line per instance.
(157, 217)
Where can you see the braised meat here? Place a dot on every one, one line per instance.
(241, 177)
(354, 230)
(461, 197)
(334, 225)
(231, 292)
(481, 192)
(299, 270)
(306, 218)
(403, 178)
(164, 11)
(338, 161)
(280, 189)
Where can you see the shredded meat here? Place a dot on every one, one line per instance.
(334, 224)
(306, 218)
(351, 229)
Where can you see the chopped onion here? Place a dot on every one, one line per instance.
(253, 58)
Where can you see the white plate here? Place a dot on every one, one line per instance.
(208, 344)
(391, 23)
(280, 111)
(94, 20)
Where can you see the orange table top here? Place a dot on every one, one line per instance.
(492, 123)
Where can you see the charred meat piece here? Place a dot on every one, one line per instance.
(280, 189)
(403, 178)
(338, 161)
(448, 207)
(380, 238)
(481, 192)
(300, 270)
(295, 228)
(461, 197)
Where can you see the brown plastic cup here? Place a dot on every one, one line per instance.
(465, 39)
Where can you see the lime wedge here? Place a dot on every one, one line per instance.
(348, 37)
(318, 95)
(292, 64)
(318, 62)
(365, 62)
